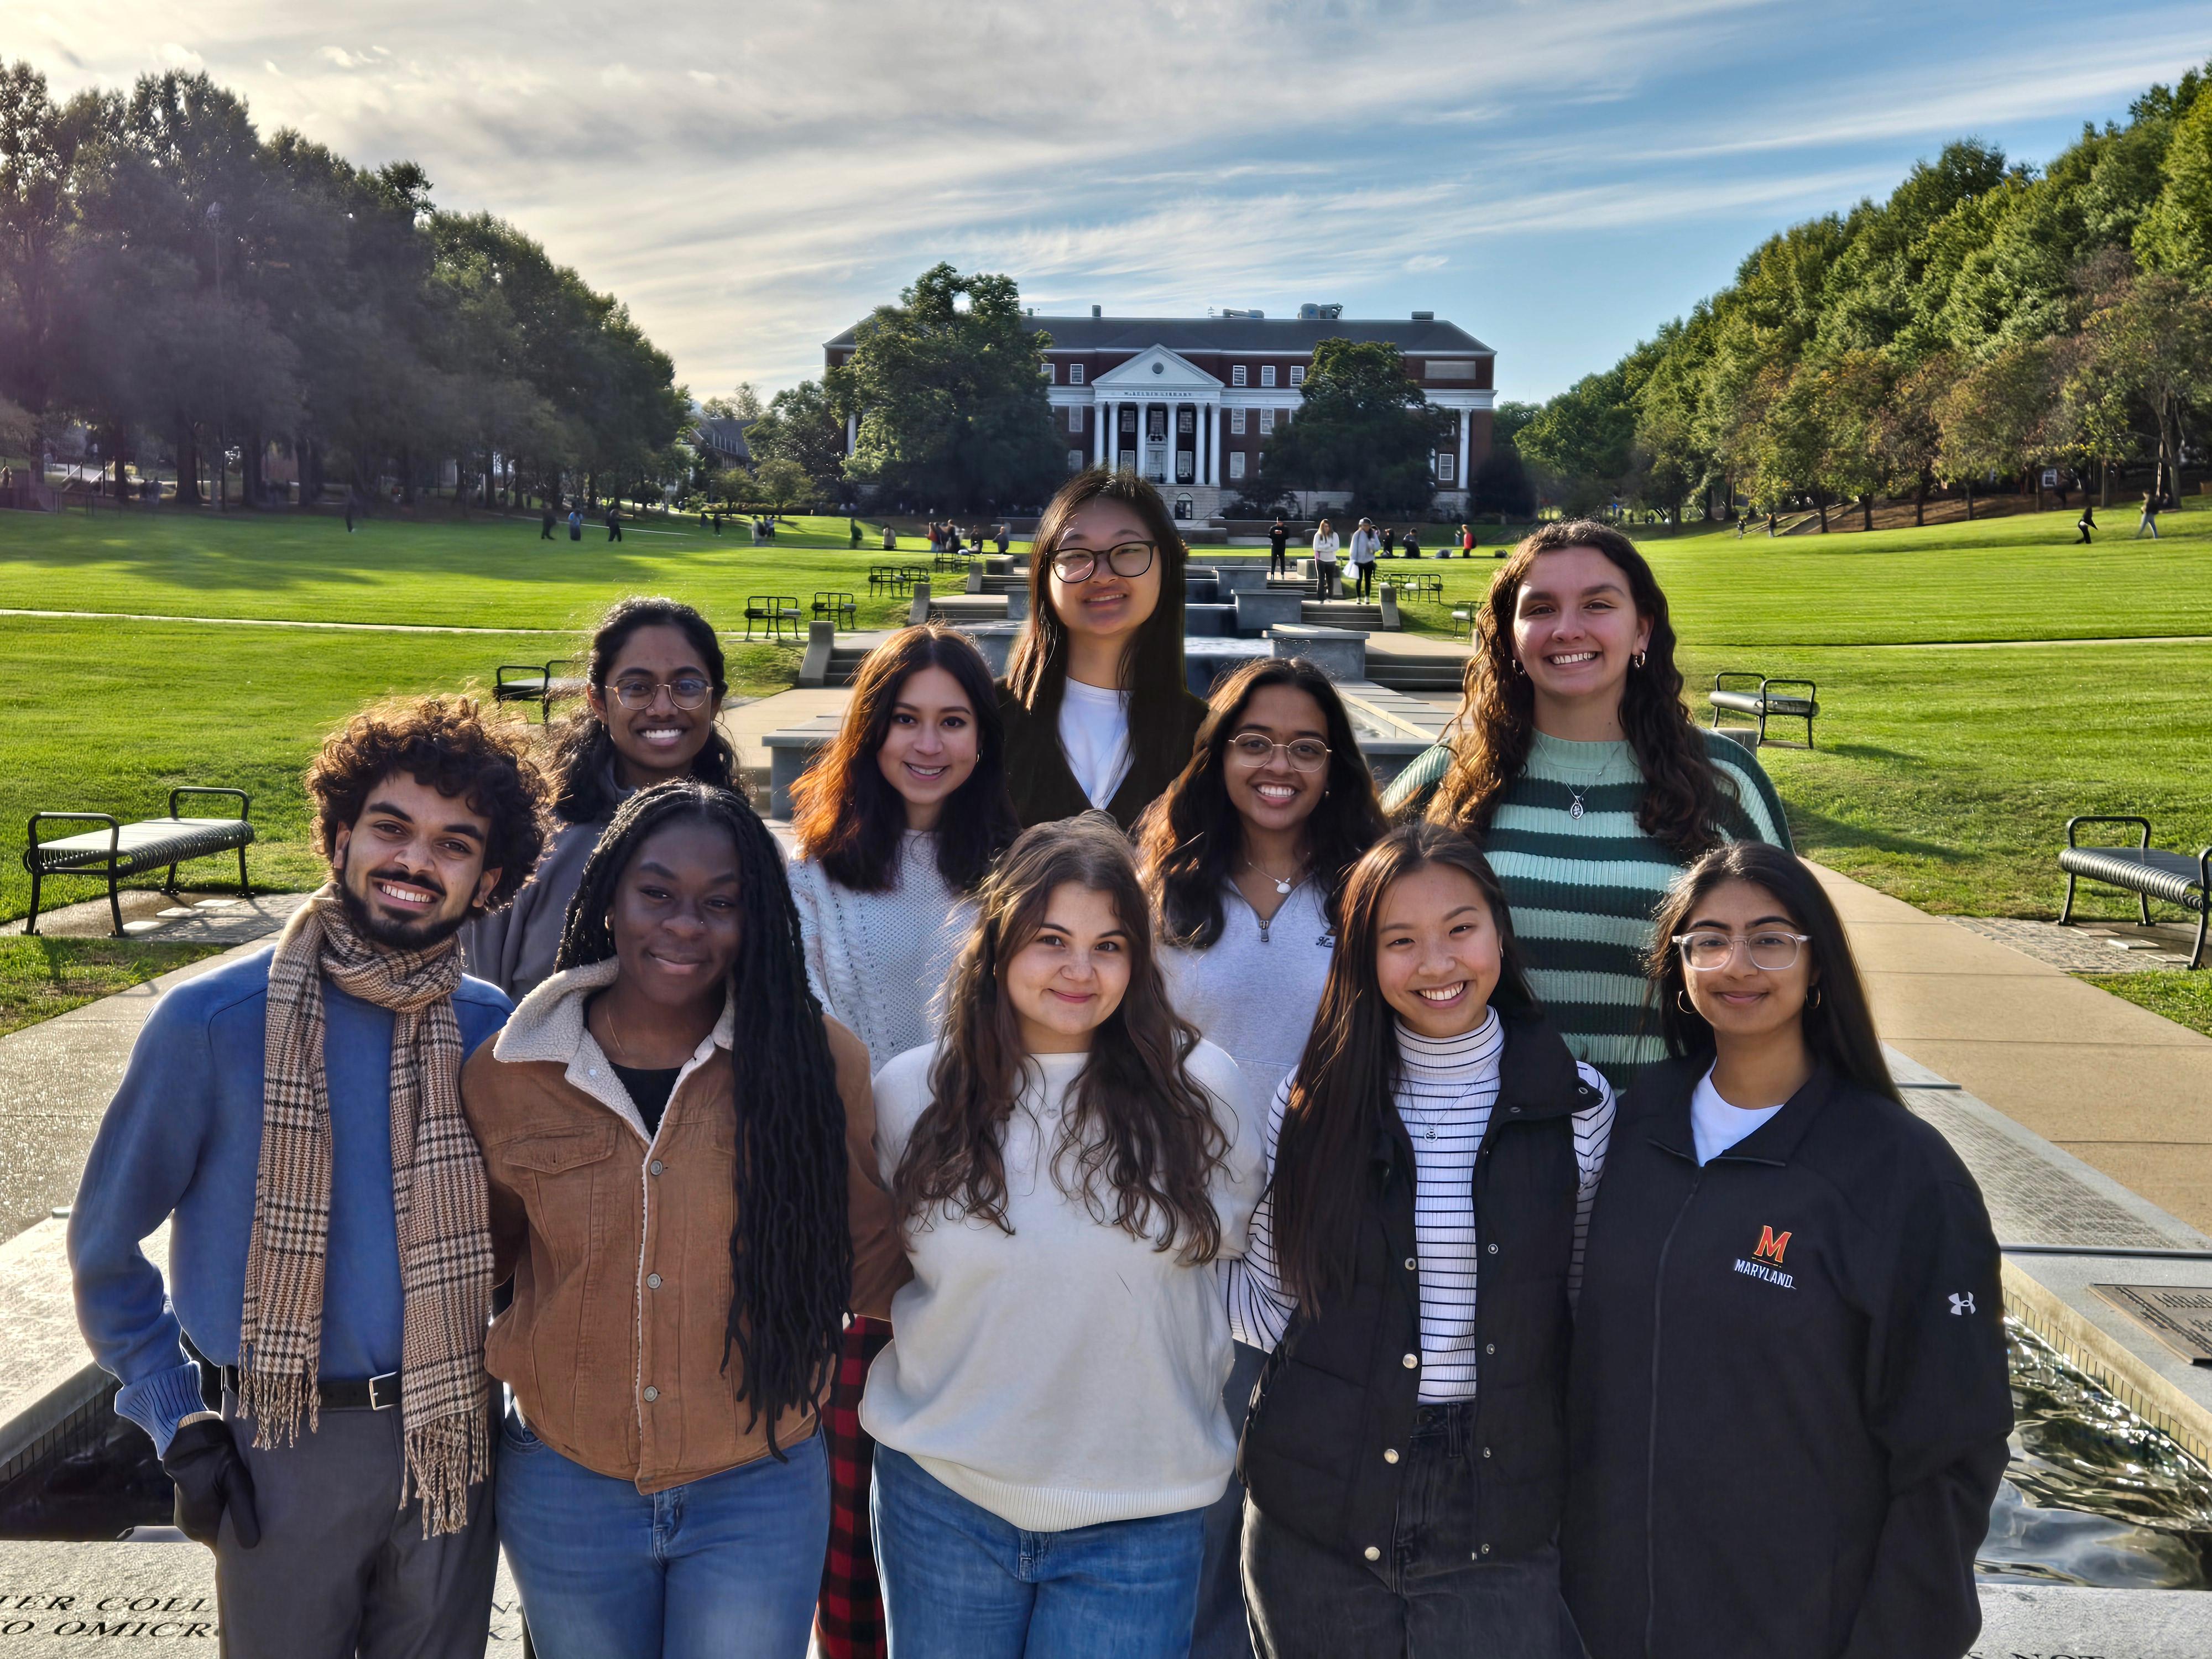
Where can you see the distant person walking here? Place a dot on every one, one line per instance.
(575, 524)
(1279, 556)
(2149, 519)
(349, 511)
(2087, 521)
(1466, 541)
(545, 524)
(854, 525)
(1365, 541)
(1005, 538)
(614, 521)
(1324, 551)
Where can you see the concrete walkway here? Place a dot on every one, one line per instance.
(2125, 1092)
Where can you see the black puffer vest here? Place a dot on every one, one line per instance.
(1322, 1452)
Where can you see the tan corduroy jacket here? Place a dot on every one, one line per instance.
(620, 1244)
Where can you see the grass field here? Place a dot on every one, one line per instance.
(2183, 997)
(42, 977)
(1945, 775)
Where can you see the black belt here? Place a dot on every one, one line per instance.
(372, 1394)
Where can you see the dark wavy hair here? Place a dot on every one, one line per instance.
(1152, 662)
(1840, 1027)
(846, 813)
(445, 743)
(584, 752)
(1344, 1094)
(1686, 801)
(1137, 1140)
(1189, 839)
(791, 1250)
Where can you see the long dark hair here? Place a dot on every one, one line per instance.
(584, 753)
(791, 1250)
(1345, 1095)
(1684, 804)
(1136, 1124)
(847, 814)
(1190, 838)
(1840, 1027)
(1151, 664)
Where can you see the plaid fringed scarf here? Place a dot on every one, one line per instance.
(437, 1199)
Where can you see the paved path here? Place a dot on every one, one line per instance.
(2125, 1092)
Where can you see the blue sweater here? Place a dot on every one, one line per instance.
(183, 1137)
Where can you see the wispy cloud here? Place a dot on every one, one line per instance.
(1560, 177)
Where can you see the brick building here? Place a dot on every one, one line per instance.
(1188, 401)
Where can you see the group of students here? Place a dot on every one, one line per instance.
(1368, 543)
(1106, 1192)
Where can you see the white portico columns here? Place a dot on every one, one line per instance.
(1213, 445)
(852, 431)
(1463, 482)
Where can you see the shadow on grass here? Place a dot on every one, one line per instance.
(1813, 830)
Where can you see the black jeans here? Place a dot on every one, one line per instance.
(1363, 581)
(1278, 563)
(1430, 1595)
(1327, 583)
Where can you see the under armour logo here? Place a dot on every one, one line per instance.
(1962, 1305)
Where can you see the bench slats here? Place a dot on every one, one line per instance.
(2170, 877)
(144, 846)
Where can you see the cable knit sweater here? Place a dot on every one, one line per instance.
(877, 960)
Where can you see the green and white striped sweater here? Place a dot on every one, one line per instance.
(1583, 889)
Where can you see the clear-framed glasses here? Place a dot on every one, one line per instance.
(1304, 754)
(1771, 949)
(1079, 564)
(686, 692)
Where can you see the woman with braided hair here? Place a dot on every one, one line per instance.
(687, 1237)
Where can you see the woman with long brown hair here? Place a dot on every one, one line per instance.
(1578, 771)
(1068, 1163)
(1791, 1312)
(1097, 709)
(1244, 858)
(1433, 1161)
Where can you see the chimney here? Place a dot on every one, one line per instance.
(1097, 311)
(1424, 316)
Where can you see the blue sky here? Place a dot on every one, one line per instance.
(1558, 176)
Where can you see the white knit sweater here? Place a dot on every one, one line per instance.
(1063, 1374)
(877, 960)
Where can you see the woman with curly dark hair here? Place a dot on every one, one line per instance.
(1244, 858)
(1577, 769)
(1099, 714)
(1068, 1163)
(677, 1145)
(654, 687)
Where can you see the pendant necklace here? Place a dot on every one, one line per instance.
(1575, 808)
(1283, 883)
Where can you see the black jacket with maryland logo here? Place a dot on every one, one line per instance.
(1788, 1403)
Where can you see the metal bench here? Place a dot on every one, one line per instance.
(836, 605)
(540, 683)
(881, 576)
(1764, 704)
(128, 849)
(2177, 878)
(1428, 588)
(776, 612)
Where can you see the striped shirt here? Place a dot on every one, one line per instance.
(1447, 1089)
(1584, 887)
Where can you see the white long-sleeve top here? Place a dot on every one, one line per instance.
(1363, 543)
(875, 961)
(1255, 991)
(1065, 1373)
(1325, 546)
(1446, 1092)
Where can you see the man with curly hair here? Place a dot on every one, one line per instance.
(313, 1380)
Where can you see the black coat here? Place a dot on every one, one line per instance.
(1338, 1402)
(1789, 1405)
(1044, 789)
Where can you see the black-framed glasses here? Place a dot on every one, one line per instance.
(1771, 949)
(686, 692)
(1304, 754)
(1079, 564)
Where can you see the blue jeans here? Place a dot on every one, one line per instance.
(961, 1584)
(1222, 1631)
(723, 1568)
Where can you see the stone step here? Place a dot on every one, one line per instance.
(1414, 673)
(1342, 613)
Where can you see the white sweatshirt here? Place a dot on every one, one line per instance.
(1067, 1374)
(1256, 991)
(1325, 547)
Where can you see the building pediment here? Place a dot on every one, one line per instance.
(1156, 368)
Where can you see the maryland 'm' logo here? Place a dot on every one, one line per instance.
(1771, 1245)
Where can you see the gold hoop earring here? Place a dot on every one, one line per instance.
(1517, 668)
(1680, 1002)
(1637, 661)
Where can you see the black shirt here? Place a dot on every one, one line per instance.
(1279, 536)
(649, 1090)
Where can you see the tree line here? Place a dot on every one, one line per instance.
(1987, 320)
(184, 288)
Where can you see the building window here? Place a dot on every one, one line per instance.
(1236, 375)
(1047, 374)
(1266, 421)
(1267, 374)
(1235, 463)
(1075, 417)
(1441, 368)
(1075, 375)
(1183, 473)
(1445, 464)
(1237, 423)
(1075, 460)
(1297, 374)
(1185, 419)
(1129, 418)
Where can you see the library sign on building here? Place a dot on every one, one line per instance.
(1189, 401)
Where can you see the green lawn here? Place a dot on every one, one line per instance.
(2183, 997)
(1944, 776)
(42, 977)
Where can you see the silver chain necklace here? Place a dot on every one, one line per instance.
(1575, 809)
